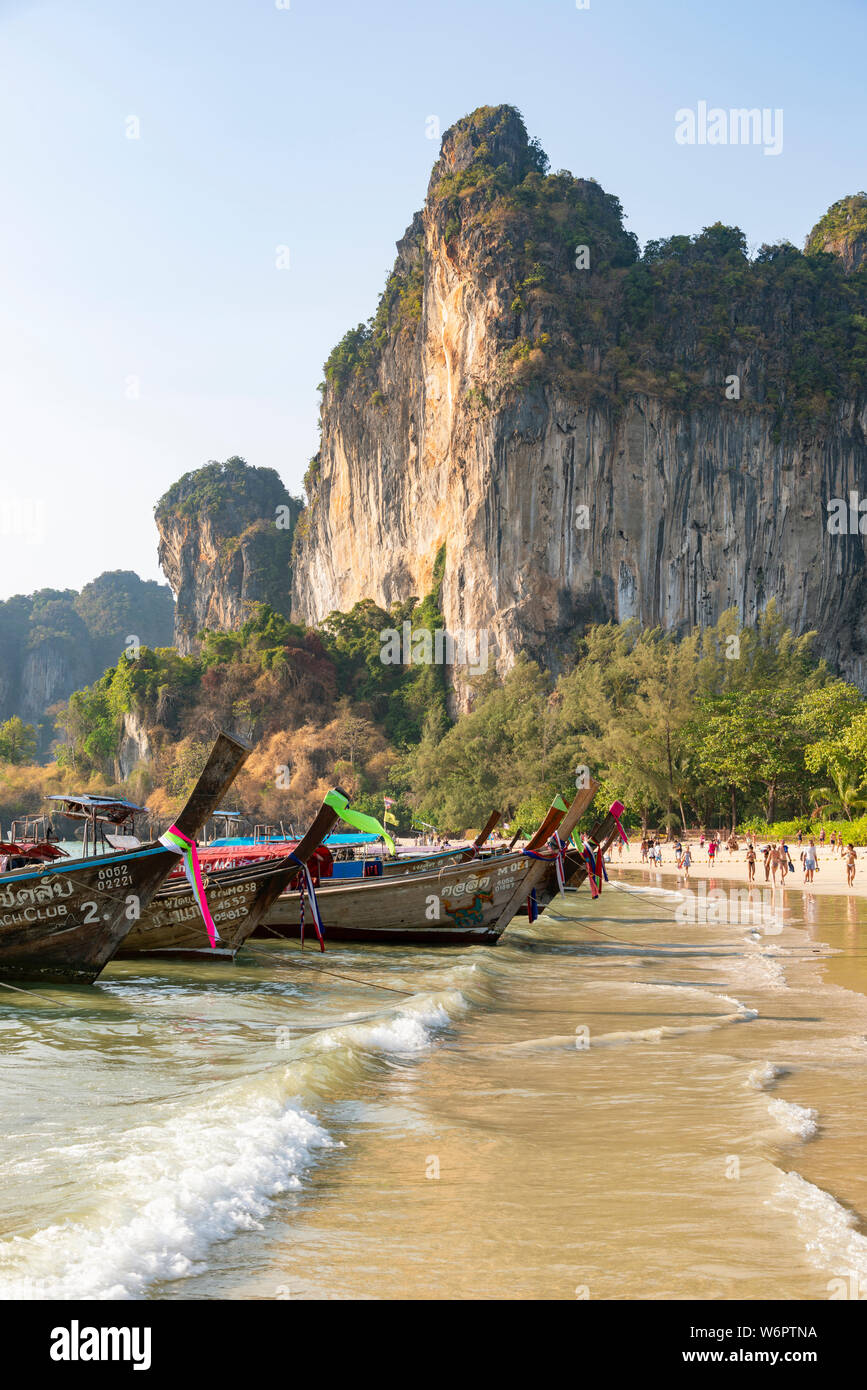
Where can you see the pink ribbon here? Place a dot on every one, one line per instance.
(181, 844)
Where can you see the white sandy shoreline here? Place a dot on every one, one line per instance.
(830, 876)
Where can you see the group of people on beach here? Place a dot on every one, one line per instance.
(776, 856)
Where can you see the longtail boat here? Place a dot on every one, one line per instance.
(450, 904)
(64, 921)
(238, 898)
(576, 865)
(414, 864)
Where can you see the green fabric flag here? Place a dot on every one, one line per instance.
(558, 804)
(357, 819)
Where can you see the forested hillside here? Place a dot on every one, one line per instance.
(724, 724)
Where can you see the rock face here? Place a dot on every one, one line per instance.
(134, 745)
(842, 232)
(56, 641)
(590, 434)
(226, 535)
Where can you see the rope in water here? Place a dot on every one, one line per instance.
(44, 997)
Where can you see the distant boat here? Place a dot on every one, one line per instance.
(63, 921)
(442, 904)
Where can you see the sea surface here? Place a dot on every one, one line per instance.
(612, 1103)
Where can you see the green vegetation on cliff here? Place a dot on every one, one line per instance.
(842, 231)
(226, 540)
(56, 640)
(584, 311)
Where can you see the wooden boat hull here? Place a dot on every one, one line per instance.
(456, 904)
(63, 923)
(238, 899)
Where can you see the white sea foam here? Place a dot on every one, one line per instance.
(202, 1175)
(410, 1030)
(829, 1233)
(798, 1120)
(763, 1076)
(761, 971)
(642, 891)
(181, 1186)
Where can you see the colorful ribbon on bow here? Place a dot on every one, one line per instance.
(357, 819)
(616, 811)
(307, 878)
(556, 856)
(180, 843)
(595, 862)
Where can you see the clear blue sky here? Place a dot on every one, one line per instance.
(306, 127)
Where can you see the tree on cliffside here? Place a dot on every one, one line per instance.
(17, 741)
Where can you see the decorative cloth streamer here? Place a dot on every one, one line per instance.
(616, 811)
(176, 840)
(554, 856)
(307, 878)
(358, 819)
(592, 856)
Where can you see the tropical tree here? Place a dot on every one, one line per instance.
(17, 741)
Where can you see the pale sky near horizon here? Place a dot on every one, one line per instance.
(144, 325)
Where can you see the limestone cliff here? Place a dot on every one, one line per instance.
(842, 232)
(225, 542)
(56, 640)
(591, 433)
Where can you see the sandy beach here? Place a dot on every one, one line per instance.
(830, 876)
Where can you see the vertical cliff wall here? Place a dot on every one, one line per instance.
(226, 535)
(590, 433)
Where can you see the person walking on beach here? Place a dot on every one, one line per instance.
(810, 862)
(775, 862)
(832, 840)
(751, 864)
(766, 852)
(785, 861)
(851, 856)
(711, 851)
(822, 838)
(644, 848)
(686, 861)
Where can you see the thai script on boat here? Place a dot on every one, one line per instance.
(47, 890)
(471, 885)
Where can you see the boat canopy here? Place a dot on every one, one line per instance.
(111, 809)
(336, 841)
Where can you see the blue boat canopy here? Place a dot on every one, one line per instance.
(338, 841)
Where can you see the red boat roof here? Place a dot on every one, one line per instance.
(33, 849)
